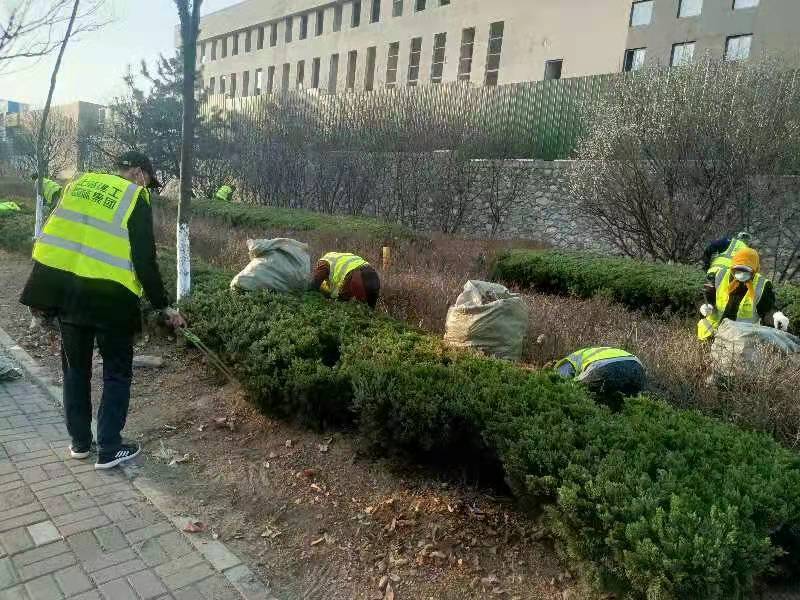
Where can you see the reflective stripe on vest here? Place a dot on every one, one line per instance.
(582, 360)
(87, 234)
(747, 312)
(341, 265)
(723, 261)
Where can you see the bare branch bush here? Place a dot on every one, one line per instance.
(60, 143)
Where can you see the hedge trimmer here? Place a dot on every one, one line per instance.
(210, 355)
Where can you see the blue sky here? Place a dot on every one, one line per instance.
(94, 65)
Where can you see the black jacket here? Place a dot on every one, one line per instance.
(765, 308)
(101, 303)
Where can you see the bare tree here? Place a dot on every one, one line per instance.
(189, 14)
(504, 185)
(59, 146)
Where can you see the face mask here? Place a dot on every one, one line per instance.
(742, 276)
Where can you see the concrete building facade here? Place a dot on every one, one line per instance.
(259, 46)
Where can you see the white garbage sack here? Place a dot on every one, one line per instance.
(281, 265)
(740, 346)
(489, 318)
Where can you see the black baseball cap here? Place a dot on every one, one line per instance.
(132, 160)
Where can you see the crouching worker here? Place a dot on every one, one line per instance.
(609, 373)
(740, 293)
(225, 193)
(345, 277)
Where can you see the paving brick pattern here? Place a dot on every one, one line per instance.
(68, 531)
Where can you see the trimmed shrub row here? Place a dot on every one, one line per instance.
(16, 227)
(652, 501)
(247, 215)
(640, 285)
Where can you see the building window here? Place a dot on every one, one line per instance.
(375, 14)
(288, 36)
(337, 17)
(214, 50)
(235, 50)
(413, 61)
(634, 59)
(496, 31)
(737, 47)
(315, 66)
(222, 84)
(246, 83)
(369, 77)
(248, 41)
(224, 47)
(273, 35)
(260, 45)
(397, 8)
(212, 85)
(467, 51)
(642, 13)
(333, 74)
(690, 8)
(682, 54)
(740, 4)
(552, 69)
(287, 72)
(270, 80)
(444, 2)
(439, 52)
(391, 64)
(303, 27)
(301, 74)
(259, 82)
(203, 53)
(352, 63)
(355, 21)
(233, 85)
(419, 5)
(320, 25)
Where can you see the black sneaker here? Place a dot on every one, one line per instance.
(81, 452)
(109, 460)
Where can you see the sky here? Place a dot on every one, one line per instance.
(94, 65)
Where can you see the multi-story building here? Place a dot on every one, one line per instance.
(338, 45)
(673, 32)
(9, 111)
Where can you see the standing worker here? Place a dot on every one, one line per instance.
(608, 372)
(225, 193)
(51, 191)
(740, 293)
(718, 254)
(94, 260)
(344, 276)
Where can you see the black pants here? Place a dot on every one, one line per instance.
(77, 347)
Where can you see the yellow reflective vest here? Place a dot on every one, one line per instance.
(341, 265)
(723, 261)
(50, 189)
(87, 233)
(224, 193)
(582, 360)
(747, 308)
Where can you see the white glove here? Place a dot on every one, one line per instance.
(707, 309)
(781, 321)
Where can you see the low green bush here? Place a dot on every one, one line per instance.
(247, 215)
(652, 501)
(16, 227)
(646, 286)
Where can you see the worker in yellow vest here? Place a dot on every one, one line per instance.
(719, 253)
(610, 373)
(225, 193)
(740, 293)
(344, 276)
(51, 191)
(93, 261)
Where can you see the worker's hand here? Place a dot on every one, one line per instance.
(781, 321)
(174, 318)
(707, 309)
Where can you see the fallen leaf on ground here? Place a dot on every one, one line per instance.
(195, 527)
(318, 541)
(323, 448)
(180, 459)
(289, 443)
(389, 595)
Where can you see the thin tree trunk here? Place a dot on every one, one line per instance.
(41, 163)
(190, 20)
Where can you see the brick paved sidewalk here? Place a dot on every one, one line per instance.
(68, 531)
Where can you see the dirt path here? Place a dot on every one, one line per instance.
(316, 519)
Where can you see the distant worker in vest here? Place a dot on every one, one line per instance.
(51, 191)
(718, 254)
(345, 277)
(94, 260)
(225, 193)
(740, 293)
(610, 373)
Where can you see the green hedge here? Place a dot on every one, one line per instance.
(653, 501)
(640, 285)
(247, 215)
(16, 228)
